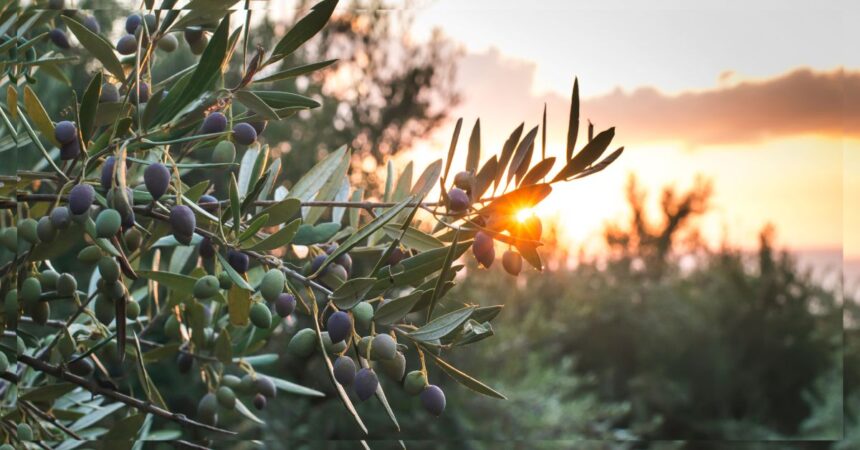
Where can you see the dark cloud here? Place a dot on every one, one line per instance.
(801, 102)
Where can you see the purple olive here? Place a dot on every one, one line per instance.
(483, 249)
(208, 203)
(244, 134)
(285, 304)
(433, 400)
(339, 326)
(59, 38)
(182, 222)
(458, 200)
(344, 370)
(65, 132)
(365, 383)
(184, 362)
(126, 45)
(70, 150)
(512, 262)
(206, 249)
(214, 123)
(91, 23)
(141, 94)
(193, 35)
(265, 386)
(132, 22)
(107, 172)
(81, 197)
(238, 260)
(260, 401)
(156, 177)
(316, 263)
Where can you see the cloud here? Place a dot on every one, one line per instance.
(800, 102)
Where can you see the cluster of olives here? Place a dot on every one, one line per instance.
(36, 292)
(57, 36)
(244, 133)
(66, 134)
(381, 349)
(261, 387)
(334, 274)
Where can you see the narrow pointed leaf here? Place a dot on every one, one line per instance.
(464, 378)
(588, 155)
(303, 30)
(97, 46)
(573, 121)
(473, 158)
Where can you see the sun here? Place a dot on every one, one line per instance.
(524, 214)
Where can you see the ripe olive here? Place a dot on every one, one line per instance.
(265, 386)
(109, 94)
(238, 260)
(60, 217)
(132, 22)
(156, 177)
(259, 401)
(433, 400)
(464, 180)
(512, 262)
(59, 38)
(484, 249)
(285, 304)
(184, 362)
(182, 223)
(126, 45)
(65, 132)
(81, 197)
(365, 383)
(45, 231)
(458, 200)
(92, 24)
(244, 134)
(214, 123)
(81, 367)
(339, 326)
(344, 370)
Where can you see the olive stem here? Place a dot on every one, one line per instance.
(140, 405)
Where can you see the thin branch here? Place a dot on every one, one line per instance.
(53, 421)
(141, 405)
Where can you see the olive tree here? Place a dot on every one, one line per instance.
(112, 264)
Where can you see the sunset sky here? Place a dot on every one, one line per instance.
(763, 100)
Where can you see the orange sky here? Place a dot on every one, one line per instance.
(758, 102)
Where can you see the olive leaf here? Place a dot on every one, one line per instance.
(588, 155)
(352, 292)
(397, 308)
(463, 378)
(89, 106)
(253, 102)
(305, 29)
(280, 238)
(295, 71)
(97, 45)
(573, 121)
(442, 325)
(239, 280)
(182, 284)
